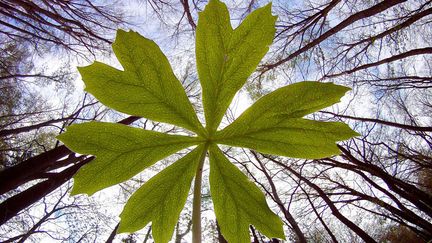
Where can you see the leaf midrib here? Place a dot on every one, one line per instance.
(136, 71)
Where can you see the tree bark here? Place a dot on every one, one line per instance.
(13, 205)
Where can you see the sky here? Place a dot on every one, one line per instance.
(179, 52)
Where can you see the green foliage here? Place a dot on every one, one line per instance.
(238, 202)
(162, 198)
(121, 152)
(134, 90)
(274, 124)
(147, 87)
(227, 57)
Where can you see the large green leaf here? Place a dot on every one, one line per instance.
(162, 198)
(227, 57)
(121, 152)
(147, 87)
(238, 202)
(274, 125)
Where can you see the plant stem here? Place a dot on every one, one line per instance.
(196, 211)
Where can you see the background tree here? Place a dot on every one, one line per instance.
(378, 189)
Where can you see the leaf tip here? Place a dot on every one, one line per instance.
(81, 186)
(122, 228)
(60, 137)
(85, 72)
(337, 90)
(267, 9)
(75, 190)
(277, 229)
(216, 4)
(66, 136)
(123, 36)
(345, 88)
(121, 32)
(127, 226)
(82, 70)
(346, 132)
(355, 134)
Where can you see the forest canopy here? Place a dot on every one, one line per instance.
(376, 188)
